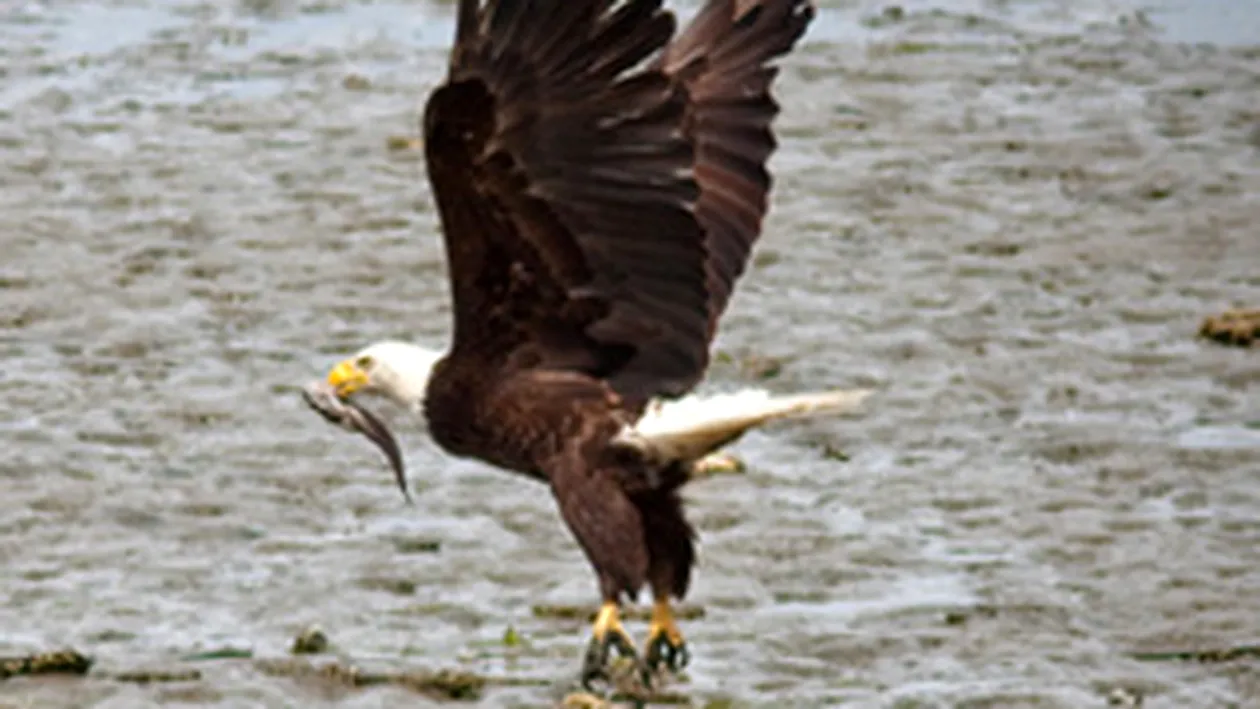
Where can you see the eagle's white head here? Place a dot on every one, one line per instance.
(399, 371)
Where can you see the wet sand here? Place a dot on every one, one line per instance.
(1008, 217)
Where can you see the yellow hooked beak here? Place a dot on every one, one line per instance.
(347, 378)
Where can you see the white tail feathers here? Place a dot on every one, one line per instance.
(689, 429)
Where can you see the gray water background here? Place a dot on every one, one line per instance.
(1007, 216)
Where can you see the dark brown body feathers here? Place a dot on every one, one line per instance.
(600, 189)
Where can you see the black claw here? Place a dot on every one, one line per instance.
(595, 663)
(624, 647)
(662, 651)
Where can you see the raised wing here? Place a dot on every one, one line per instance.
(723, 58)
(598, 206)
(565, 186)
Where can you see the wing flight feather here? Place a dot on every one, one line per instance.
(599, 188)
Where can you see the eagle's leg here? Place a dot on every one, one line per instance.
(607, 634)
(665, 643)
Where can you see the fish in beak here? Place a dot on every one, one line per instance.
(328, 400)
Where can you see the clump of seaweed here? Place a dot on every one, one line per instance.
(68, 662)
(1206, 655)
(154, 676)
(1239, 328)
(439, 684)
(311, 641)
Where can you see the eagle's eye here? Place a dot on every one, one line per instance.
(364, 363)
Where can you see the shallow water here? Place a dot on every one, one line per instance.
(1009, 217)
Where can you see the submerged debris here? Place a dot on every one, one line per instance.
(622, 698)
(155, 676)
(584, 700)
(587, 614)
(761, 367)
(1123, 697)
(356, 82)
(1239, 328)
(512, 638)
(440, 684)
(625, 679)
(834, 452)
(310, 641)
(625, 688)
(1204, 655)
(398, 143)
(222, 653)
(70, 662)
(404, 545)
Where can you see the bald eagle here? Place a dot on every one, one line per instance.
(600, 184)
(692, 429)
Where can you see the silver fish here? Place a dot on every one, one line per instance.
(348, 415)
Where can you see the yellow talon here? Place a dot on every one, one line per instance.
(608, 620)
(665, 641)
(607, 634)
(663, 621)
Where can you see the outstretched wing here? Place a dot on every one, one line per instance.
(563, 175)
(723, 58)
(598, 208)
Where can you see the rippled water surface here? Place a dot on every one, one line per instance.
(1007, 216)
